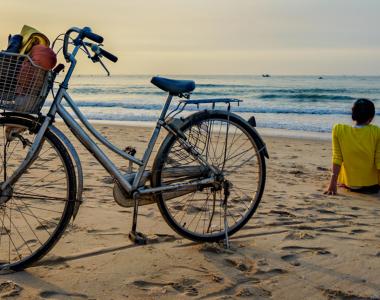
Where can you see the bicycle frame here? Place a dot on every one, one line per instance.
(94, 149)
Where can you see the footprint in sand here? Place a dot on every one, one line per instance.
(191, 291)
(55, 294)
(9, 289)
(149, 285)
(326, 211)
(160, 238)
(215, 248)
(337, 294)
(296, 172)
(356, 231)
(239, 264)
(150, 214)
(355, 208)
(107, 180)
(253, 293)
(217, 278)
(266, 274)
(314, 249)
(292, 259)
(317, 196)
(44, 225)
(110, 231)
(296, 252)
(297, 235)
(322, 169)
(185, 285)
(281, 206)
(282, 213)
(328, 230)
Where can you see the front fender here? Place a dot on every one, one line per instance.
(79, 171)
(69, 147)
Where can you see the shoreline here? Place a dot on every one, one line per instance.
(266, 132)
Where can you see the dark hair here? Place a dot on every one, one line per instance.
(363, 110)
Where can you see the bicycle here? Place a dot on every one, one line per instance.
(207, 178)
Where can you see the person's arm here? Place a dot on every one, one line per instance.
(377, 153)
(337, 159)
(332, 188)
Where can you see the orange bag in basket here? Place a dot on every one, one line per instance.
(31, 78)
(43, 56)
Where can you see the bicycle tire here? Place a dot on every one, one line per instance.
(54, 142)
(163, 156)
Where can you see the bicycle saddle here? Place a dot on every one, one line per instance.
(174, 87)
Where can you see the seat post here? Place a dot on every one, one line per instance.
(166, 107)
(135, 236)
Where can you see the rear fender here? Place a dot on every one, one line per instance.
(261, 145)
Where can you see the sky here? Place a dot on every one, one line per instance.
(289, 37)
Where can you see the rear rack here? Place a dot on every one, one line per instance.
(183, 103)
(213, 101)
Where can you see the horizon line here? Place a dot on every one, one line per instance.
(243, 74)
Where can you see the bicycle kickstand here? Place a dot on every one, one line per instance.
(226, 188)
(135, 236)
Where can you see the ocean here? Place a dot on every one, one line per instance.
(302, 103)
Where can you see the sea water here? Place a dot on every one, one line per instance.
(302, 103)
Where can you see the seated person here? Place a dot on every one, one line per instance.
(356, 152)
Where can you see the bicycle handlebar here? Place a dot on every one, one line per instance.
(66, 42)
(102, 52)
(86, 32)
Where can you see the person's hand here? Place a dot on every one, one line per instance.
(332, 189)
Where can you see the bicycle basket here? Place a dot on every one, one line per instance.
(24, 86)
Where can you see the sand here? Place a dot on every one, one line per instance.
(300, 244)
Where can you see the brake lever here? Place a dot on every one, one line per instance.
(104, 67)
(96, 57)
(86, 50)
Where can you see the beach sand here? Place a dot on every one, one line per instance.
(300, 244)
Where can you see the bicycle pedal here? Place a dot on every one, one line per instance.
(130, 150)
(138, 238)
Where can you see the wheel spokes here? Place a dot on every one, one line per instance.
(32, 211)
(231, 150)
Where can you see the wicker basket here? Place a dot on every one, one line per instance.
(24, 86)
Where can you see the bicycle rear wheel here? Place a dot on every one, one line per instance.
(232, 146)
(35, 212)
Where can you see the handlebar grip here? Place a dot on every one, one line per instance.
(66, 54)
(108, 55)
(92, 36)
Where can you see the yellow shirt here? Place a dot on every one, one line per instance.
(357, 150)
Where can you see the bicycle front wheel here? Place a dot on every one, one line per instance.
(36, 210)
(230, 145)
